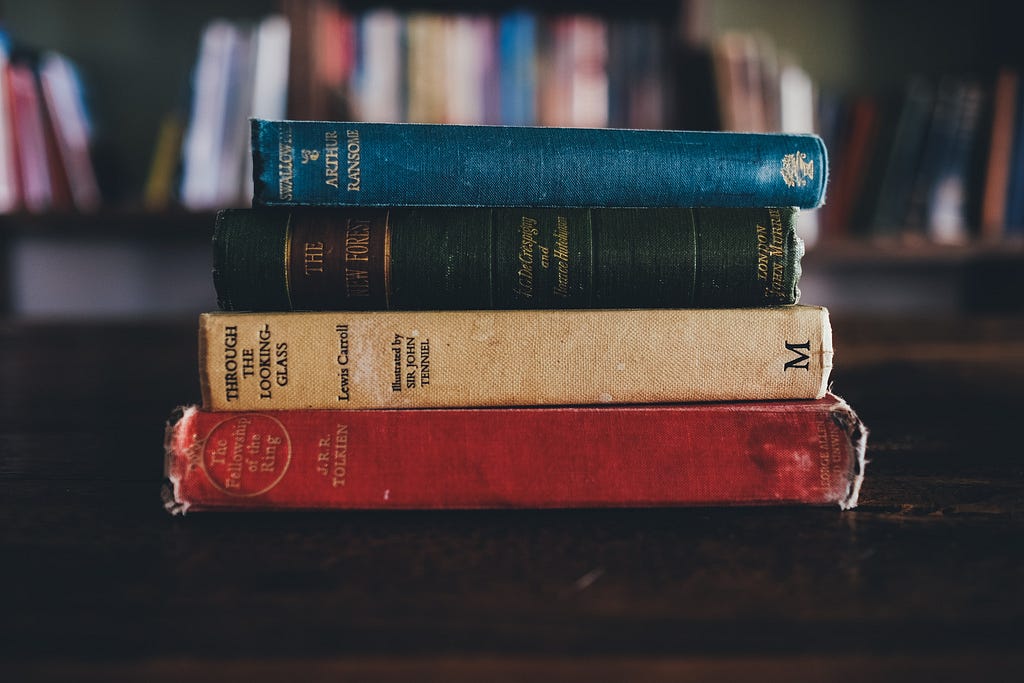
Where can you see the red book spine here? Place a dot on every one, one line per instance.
(752, 453)
(30, 139)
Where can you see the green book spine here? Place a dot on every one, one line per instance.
(278, 259)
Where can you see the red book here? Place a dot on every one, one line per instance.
(29, 138)
(756, 453)
(68, 135)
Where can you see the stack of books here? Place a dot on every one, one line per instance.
(452, 316)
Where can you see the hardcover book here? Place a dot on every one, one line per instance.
(404, 164)
(762, 453)
(216, 86)
(902, 163)
(276, 361)
(241, 70)
(68, 119)
(1000, 154)
(29, 137)
(10, 190)
(1014, 215)
(378, 72)
(518, 73)
(497, 258)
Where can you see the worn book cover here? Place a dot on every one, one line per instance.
(425, 258)
(420, 359)
(328, 163)
(758, 453)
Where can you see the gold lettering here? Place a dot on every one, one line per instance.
(236, 464)
(778, 270)
(762, 253)
(285, 164)
(339, 469)
(775, 252)
(331, 158)
(778, 238)
(323, 456)
(313, 257)
(561, 254)
(218, 456)
(357, 283)
(528, 241)
(352, 156)
(357, 241)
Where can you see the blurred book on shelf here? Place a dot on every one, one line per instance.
(32, 167)
(1014, 221)
(318, 63)
(852, 141)
(45, 133)
(517, 87)
(508, 67)
(1000, 154)
(241, 71)
(69, 122)
(378, 71)
(9, 185)
(934, 163)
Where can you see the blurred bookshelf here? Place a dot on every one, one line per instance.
(918, 103)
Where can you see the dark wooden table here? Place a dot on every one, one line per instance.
(924, 581)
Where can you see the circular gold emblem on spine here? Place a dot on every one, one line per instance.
(247, 455)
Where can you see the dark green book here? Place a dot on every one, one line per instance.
(279, 259)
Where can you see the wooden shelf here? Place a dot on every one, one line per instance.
(110, 587)
(906, 276)
(910, 253)
(112, 224)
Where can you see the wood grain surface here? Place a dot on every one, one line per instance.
(923, 580)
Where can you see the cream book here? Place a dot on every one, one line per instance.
(431, 359)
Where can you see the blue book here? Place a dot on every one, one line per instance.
(324, 163)
(1015, 193)
(517, 56)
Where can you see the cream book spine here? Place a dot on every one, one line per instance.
(431, 359)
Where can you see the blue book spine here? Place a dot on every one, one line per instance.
(322, 163)
(517, 52)
(1015, 193)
